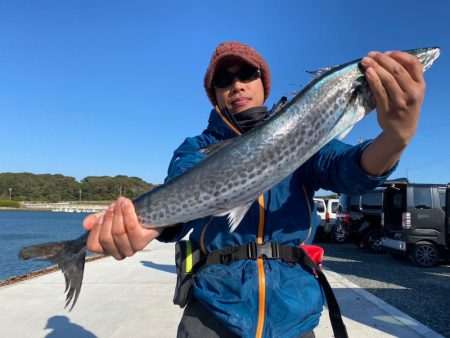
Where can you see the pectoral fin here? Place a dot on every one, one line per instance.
(236, 215)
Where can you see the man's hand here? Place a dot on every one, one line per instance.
(117, 232)
(396, 81)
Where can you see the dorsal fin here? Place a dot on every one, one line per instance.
(320, 71)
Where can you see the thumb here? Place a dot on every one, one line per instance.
(91, 220)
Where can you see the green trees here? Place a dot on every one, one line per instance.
(55, 188)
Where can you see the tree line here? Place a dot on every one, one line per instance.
(55, 188)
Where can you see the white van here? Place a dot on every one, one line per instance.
(326, 210)
(321, 210)
(330, 214)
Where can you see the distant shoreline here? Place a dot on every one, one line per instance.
(19, 209)
(87, 207)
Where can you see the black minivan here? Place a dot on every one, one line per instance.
(416, 222)
(358, 220)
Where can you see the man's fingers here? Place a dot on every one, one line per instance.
(378, 90)
(133, 227)
(93, 243)
(390, 73)
(90, 221)
(105, 237)
(119, 233)
(410, 63)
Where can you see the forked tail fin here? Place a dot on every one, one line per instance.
(70, 257)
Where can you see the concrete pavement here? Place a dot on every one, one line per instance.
(134, 299)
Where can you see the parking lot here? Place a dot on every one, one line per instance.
(422, 293)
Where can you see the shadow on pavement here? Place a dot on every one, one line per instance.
(162, 267)
(63, 328)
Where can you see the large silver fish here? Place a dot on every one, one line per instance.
(237, 171)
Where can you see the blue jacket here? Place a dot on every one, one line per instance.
(268, 297)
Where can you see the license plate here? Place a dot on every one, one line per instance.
(393, 244)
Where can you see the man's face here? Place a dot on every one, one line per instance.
(240, 94)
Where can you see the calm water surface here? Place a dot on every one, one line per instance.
(22, 228)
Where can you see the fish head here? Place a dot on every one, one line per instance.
(426, 56)
(361, 100)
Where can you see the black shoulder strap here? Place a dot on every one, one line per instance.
(334, 312)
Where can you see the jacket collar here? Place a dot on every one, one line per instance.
(219, 126)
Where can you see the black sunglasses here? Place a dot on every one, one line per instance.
(246, 74)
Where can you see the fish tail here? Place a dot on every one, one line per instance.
(70, 258)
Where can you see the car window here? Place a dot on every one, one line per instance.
(422, 198)
(320, 206)
(397, 200)
(334, 206)
(372, 201)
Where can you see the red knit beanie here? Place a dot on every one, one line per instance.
(233, 50)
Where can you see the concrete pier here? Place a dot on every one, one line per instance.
(133, 298)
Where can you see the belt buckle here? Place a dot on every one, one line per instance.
(227, 258)
(265, 251)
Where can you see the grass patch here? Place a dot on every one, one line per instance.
(9, 204)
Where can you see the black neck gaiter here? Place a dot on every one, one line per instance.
(251, 118)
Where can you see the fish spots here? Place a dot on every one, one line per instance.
(197, 195)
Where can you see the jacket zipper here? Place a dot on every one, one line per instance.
(260, 261)
(261, 272)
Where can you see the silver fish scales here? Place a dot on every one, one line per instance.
(237, 171)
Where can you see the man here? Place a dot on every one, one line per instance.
(259, 297)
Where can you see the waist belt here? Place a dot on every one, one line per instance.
(253, 250)
(289, 254)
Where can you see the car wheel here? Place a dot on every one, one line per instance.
(338, 234)
(425, 254)
(372, 241)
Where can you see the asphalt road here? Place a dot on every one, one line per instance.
(422, 293)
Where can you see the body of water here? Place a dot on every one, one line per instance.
(23, 228)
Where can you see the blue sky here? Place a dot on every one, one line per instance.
(113, 87)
